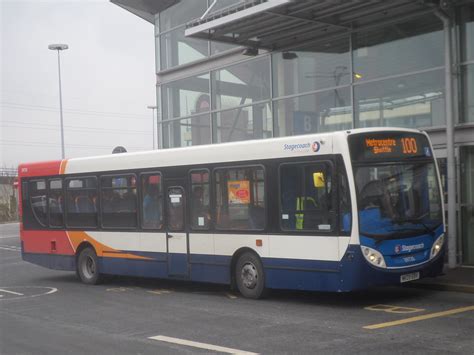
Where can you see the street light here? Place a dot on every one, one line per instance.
(153, 108)
(60, 47)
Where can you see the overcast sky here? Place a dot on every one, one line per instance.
(108, 79)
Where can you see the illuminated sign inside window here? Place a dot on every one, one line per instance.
(388, 145)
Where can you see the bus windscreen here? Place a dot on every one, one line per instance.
(380, 146)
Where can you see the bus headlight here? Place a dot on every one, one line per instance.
(437, 245)
(373, 256)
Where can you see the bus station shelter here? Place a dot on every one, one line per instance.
(231, 70)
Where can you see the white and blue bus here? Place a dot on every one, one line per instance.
(336, 211)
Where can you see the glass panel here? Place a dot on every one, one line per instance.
(398, 198)
(309, 69)
(306, 197)
(241, 84)
(251, 122)
(81, 203)
(200, 200)
(322, 112)
(467, 82)
(186, 97)
(410, 101)
(56, 203)
(176, 49)
(175, 209)
(399, 48)
(38, 201)
(152, 216)
(467, 200)
(219, 47)
(184, 11)
(240, 198)
(345, 208)
(119, 201)
(467, 32)
(186, 132)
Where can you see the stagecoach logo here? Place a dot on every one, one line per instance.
(315, 146)
(303, 147)
(408, 248)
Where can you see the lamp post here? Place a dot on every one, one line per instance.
(60, 47)
(153, 108)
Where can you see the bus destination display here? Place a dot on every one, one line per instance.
(375, 146)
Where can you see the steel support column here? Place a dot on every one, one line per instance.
(451, 158)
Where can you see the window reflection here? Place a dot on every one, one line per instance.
(322, 112)
(187, 132)
(176, 49)
(241, 84)
(411, 101)
(311, 69)
(399, 48)
(251, 122)
(186, 97)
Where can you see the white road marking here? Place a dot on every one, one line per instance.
(10, 248)
(13, 293)
(10, 236)
(205, 346)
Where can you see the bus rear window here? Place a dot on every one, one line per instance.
(38, 201)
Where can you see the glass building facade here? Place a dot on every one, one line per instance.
(392, 75)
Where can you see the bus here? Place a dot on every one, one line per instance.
(336, 212)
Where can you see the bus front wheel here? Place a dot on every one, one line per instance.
(87, 267)
(249, 276)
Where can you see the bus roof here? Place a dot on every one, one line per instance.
(261, 149)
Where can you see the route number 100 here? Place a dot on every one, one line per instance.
(409, 146)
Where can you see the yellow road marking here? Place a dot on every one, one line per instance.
(393, 309)
(422, 317)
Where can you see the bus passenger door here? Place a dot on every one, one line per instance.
(176, 236)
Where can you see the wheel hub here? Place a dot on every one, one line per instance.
(249, 275)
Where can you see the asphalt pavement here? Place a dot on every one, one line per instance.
(50, 312)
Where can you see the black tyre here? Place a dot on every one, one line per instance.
(87, 267)
(249, 276)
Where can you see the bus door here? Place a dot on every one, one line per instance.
(176, 235)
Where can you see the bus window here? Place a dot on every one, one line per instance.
(200, 200)
(56, 203)
(38, 201)
(175, 209)
(306, 197)
(118, 201)
(152, 203)
(240, 198)
(81, 202)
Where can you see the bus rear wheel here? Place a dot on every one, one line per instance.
(249, 276)
(87, 267)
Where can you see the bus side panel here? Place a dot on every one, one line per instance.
(309, 275)
(154, 268)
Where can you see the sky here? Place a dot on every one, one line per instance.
(107, 76)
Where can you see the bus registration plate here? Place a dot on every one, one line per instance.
(409, 277)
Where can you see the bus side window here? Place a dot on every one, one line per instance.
(118, 201)
(152, 201)
(81, 207)
(38, 201)
(200, 200)
(240, 198)
(56, 203)
(306, 197)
